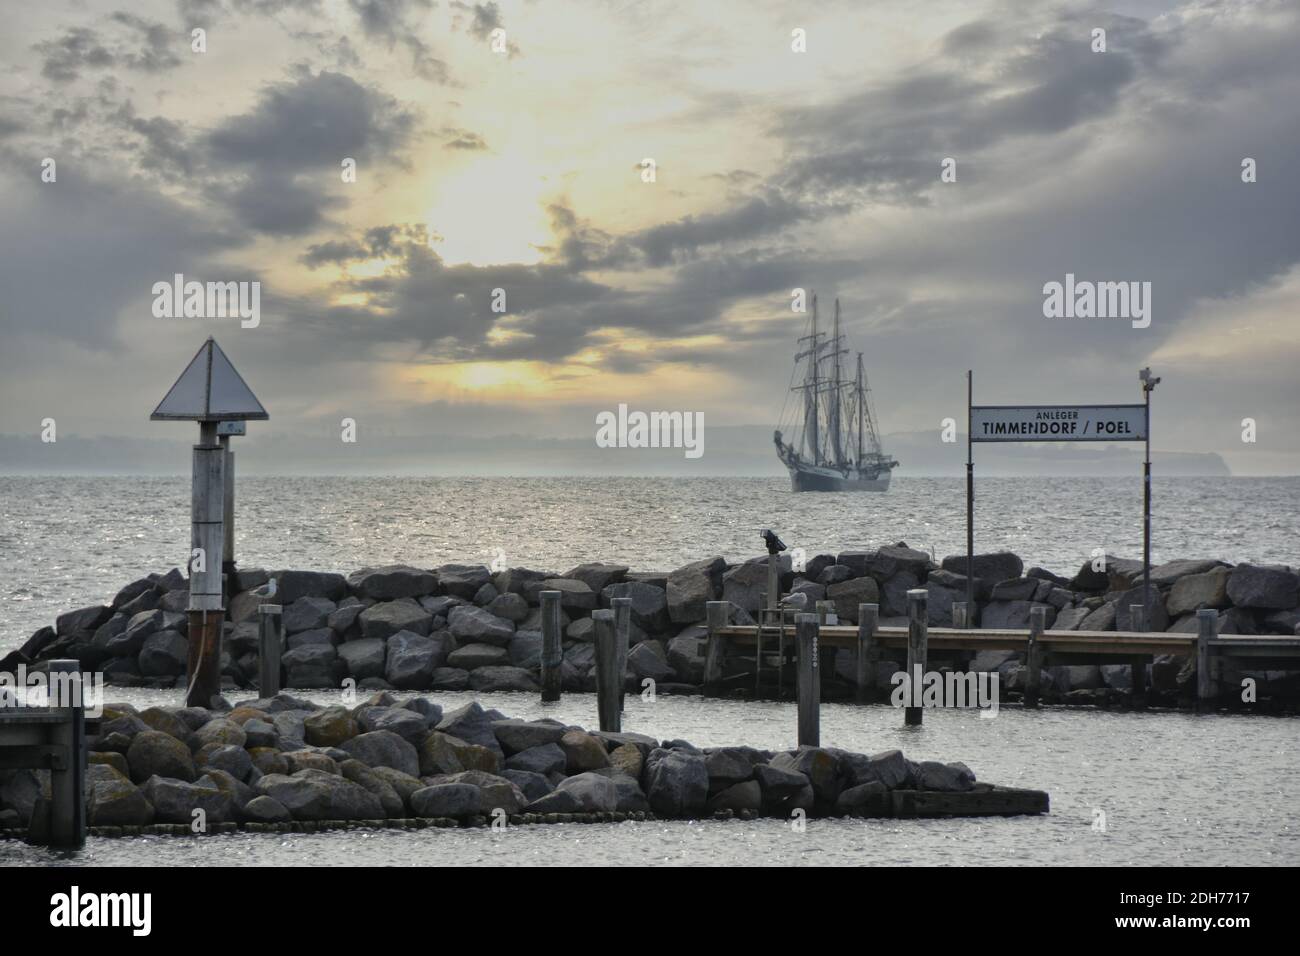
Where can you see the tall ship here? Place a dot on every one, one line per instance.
(833, 441)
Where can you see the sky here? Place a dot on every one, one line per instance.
(502, 146)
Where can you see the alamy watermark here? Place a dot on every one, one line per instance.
(651, 430)
(1098, 300)
(973, 689)
(37, 689)
(179, 299)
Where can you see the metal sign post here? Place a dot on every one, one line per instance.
(210, 392)
(1060, 423)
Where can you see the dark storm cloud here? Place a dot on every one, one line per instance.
(282, 149)
(395, 21)
(123, 41)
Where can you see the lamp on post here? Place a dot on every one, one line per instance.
(210, 392)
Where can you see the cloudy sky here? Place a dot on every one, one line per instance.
(519, 168)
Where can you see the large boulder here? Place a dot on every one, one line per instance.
(83, 619)
(383, 748)
(1158, 616)
(646, 664)
(446, 800)
(847, 595)
(649, 603)
(392, 582)
(364, 658)
(470, 624)
(391, 617)
(686, 654)
(989, 569)
(470, 656)
(114, 801)
(574, 595)
(495, 792)
(545, 759)
(462, 580)
(1270, 586)
(594, 793)
(1013, 614)
(1171, 572)
(517, 735)
(307, 614)
(164, 654)
(412, 659)
(582, 752)
(677, 783)
(154, 753)
(691, 587)
(885, 562)
(818, 765)
(472, 724)
(291, 585)
(317, 795)
(174, 801)
(330, 727)
(746, 586)
(597, 575)
(1192, 592)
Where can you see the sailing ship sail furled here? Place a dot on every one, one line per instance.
(834, 445)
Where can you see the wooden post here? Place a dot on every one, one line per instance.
(206, 608)
(824, 610)
(1034, 655)
(716, 615)
(552, 646)
(959, 615)
(868, 652)
(68, 769)
(773, 580)
(1207, 688)
(1138, 665)
(622, 607)
(228, 520)
(809, 681)
(917, 645)
(270, 647)
(607, 682)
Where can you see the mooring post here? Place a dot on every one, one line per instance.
(716, 615)
(552, 646)
(959, 618)
(228, 520)
(868, 652)
(809, 682)
(1207, 688)
(68, 768)
(608, 684)
(207, 537)
(270, 646)
(1138, 665)
(622, 608)
(824, 610)
(1034, 655)
(918, 638)
(773, 580)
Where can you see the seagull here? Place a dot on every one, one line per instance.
(267, 590)
(797, 601)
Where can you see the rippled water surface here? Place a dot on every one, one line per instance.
(1173, 788)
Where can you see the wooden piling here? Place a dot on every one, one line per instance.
(552, 646)
(607, 671)
(68, 768)
(1207, 686)
(868, 652)
(960, 618)
(1034, 655)
(716, 615)
(917, 647)
(824, 610)
(207, 537)
(1138, 665)
(270, 646)
(622, 608)
(809, 680)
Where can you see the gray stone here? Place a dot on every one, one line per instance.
(1273, 587)
(1070, 619)
(307, 614)
(989, 569)
(1015, 589)
(511, 607)
(582, 751)
(495, 792)
(597, 576)
(411, 660)
(383, 748)
(474, 624)
(1100, 619)
(644, 663)
(533, 785)
(164, 654)
(1159, 617)
(1192, 592)
(893, 593)
(406, 723)
(291, 585)
(472, 724)
(317, 795)
(264, 809)
(174, 801)
(501, 678)
(365, 658)
(470, 656)
(594, 793)
(1013, 614)
(686, 654)
(860, 798)
(649, 603)
(114, 801)
(462, 580)
(526, 649)
(518, 735)
(392, 617)
(318, 635)
(574, 595)
(392, 582)
(746, 795)
(946, 778)
(545, 759)
(446, 800)
(233, 760)
(691, 587)
(363, 776)
(847, 595)
(677, 783)
(746, 586)
(154, 753)
(1164, 575)
(449, 678)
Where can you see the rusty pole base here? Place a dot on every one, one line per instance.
(203, 673)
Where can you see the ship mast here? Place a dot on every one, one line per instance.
(837, 447)
(861, 403)
(811, 385)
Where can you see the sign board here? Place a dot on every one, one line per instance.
(1009, 423)
(232, 428)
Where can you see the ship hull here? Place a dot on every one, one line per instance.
(821, 480)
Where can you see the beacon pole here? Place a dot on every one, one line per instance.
(1148, 385)
(970, 508)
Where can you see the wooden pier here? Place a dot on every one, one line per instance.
(869, 640)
